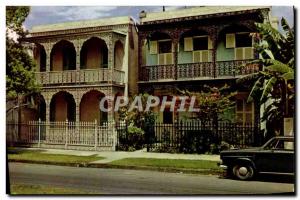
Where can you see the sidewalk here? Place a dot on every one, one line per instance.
(118, 155)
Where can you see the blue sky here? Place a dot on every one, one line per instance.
(55, 14)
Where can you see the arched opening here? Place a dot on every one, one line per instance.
(40, 57)
(41, 107)
(90, 107)
(235, 43)
(94, 54)
(118, 55)
(194, 47)
(63, 56)
(62, 107)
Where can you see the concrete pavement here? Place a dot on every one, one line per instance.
(117, 155)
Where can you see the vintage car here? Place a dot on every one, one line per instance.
(275, 156)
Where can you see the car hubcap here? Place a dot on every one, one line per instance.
(243, 171)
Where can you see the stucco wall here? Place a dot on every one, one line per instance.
(132, 63)
(119, 55)
(184, 56)
(151, 59)
(223, 53)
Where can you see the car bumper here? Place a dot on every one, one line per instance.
(223, 167)
(220, 164)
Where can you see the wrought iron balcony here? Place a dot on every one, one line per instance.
(196, 71)
(86, 76)
(234, 68)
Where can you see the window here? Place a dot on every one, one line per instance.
(165, 55)
(244, 111)
(165, 47)
(280, 145)
(243, 40)
(167, 116)
(200, 43)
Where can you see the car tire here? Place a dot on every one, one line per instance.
(243, 171)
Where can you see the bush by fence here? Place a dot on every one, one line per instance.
(199, 137)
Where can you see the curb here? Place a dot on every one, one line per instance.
(110, 166)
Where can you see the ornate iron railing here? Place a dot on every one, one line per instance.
(157, 72)
(197, 71)
(80, 76)
(63, 134)
(234, 68)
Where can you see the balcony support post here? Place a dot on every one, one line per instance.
(175, 57)
(214, 39)
(78, 43)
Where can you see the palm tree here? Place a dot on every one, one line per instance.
(273, 85)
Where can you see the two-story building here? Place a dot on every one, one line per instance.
(193, 47)
(78, 63)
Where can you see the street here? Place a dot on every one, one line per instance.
(120, 181)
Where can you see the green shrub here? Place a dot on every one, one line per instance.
(132, 139)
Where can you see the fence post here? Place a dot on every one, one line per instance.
(110, 127)
(96, 138)
(66, 134)
(39, 124)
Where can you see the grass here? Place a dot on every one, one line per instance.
(39, 156)
(168, 163)
(19, 189)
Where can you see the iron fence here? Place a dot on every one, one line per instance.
(187, 136)
(198, 137)
(67, 134)
(182, 136)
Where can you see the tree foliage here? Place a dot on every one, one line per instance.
(19, 65)
(273, 85)
(136, 117)
(212, 102)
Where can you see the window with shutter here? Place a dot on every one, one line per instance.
(161, 59)
(196, 56)
(204, 56)
(248, 53)
(239, 53)
(243, 53)
(165, 55)
(188, 44)
(230, 40)
(153, 47)
(168, 58)
(200, 43)
(243, 40)
(165, 46)
(209, 43)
